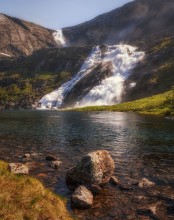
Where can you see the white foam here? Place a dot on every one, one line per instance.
(109, 92)
(59, 38)
(123, 59)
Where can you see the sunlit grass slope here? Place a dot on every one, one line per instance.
(158, 104)
(25, 198)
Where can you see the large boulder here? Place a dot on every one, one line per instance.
(95, 168)
(82, 198)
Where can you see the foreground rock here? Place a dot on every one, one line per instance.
(18, 168)
(95, 189)
(27, 156)
(50, 158)
(95, 168)
(144, 183)
(155, 211)
(82, 198)
(55, 164)
(114, 180)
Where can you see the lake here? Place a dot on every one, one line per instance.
(141, 146)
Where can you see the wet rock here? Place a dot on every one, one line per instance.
(144, 183)
(95, 189)
(134, 183)
(55, 164)
(125, 187)
(95, 168)
(159, 210)
(82, 198)
(50, 158)
(18, 168)
(155, 211)
(27, 156)
(114, 180)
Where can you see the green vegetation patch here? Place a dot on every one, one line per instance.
(163, 44)
(161, 104)
(25, 198)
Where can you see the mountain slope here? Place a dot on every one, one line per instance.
(136, 21)
(147, 24)
(155, 74)
(19, 37)
(24, 80)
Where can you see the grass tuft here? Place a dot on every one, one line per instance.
(25, 198)
(161, 104)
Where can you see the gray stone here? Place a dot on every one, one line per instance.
(55, 164)
(144, 183)
(95, 168)
(27, 156)
(18, 168)
(114, 180)
(82, 198)
(95, 189)
(50, 158)
(125, 187)
(157, 210)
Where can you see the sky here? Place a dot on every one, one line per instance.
(56, 14)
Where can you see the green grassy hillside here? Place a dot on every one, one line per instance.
(162, 104)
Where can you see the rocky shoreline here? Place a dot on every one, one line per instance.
(93, 176)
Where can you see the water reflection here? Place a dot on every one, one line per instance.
(142, 146)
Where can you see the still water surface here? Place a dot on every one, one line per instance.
(141, 146)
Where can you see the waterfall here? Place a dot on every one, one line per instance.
(123, 59)
(59, 38)
(55, 98)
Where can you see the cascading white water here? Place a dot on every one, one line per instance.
(123, 59)
(55, 98)
(59, 38)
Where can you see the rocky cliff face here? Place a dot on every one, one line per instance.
(133, 23)
(19, 37)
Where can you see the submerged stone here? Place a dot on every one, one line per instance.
(144, 183)
(27, 156)
(55, 164)
(95, 189)
(50, 158)
(114, 180)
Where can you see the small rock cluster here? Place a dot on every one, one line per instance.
(54, 163)
(23, 169)
(88, 176)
